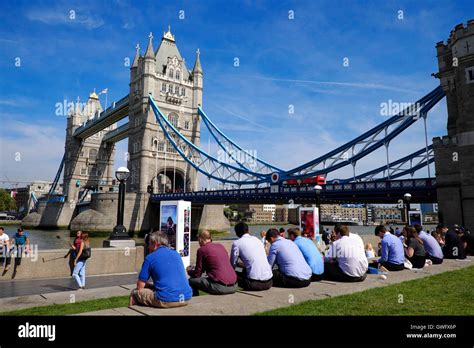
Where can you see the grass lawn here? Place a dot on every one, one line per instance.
(449, 293)
(78, 307)
(73, 308)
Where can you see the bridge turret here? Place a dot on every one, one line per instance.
(454, 154)
(134, 67)
(164, 75)
(197, 81)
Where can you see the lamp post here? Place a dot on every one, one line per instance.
(318, 190)
(406, 199)
(120, 232)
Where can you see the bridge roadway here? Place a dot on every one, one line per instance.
(113, 114)
(422, 191)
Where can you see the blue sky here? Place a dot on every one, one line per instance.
(283, 62)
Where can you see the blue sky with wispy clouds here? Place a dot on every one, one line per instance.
(283, 62)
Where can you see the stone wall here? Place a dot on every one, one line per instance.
(52, 264)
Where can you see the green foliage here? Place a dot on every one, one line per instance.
(6, 201)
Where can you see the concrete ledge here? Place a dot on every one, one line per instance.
(52, 264)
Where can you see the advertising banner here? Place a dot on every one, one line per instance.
(309, 222)
(175, 221)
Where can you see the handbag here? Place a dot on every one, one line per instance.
(86, 253)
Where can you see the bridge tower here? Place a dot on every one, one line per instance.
(178, 91)
(89, 162)
(454, 153)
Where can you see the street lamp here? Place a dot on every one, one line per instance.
(406, 199)
(318, 190)
(120, 232)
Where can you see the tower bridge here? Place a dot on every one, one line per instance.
(165, 114)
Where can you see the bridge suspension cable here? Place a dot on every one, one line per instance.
(249, 161)
(401, 167)
(201, 160)
(368, 142)
(57, 177)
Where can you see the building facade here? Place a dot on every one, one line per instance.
(178, 92)
(454, 153)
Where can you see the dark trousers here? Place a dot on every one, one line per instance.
(252, 284)
(435, 260)
(332, 271)
(283, 281)
(317, 277)
(418, 261)
(211, 287)
(20, 249)
(5, 258)
(393, 267)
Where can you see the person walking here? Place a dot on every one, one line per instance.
(22, 245)
(83, 254)
(4, 249)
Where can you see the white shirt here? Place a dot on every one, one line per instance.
(4, 240)
(357, 238)
(350, 256)
(252, 253)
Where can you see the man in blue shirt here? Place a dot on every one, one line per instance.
(22, 244)
(392, 254)
(293, 271)
(432, 248)
(170, 286)
(310, 253)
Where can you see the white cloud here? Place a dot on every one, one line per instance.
(64, 16)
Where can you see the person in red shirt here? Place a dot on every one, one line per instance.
(212, 259)
(74, 248)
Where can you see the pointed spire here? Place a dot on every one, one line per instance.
(94, 95)
(197, 66)
(149, 50)
(168, 35)
(137, 55)
(78, 106)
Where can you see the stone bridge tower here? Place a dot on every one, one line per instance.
(178, 91)
(454, 153)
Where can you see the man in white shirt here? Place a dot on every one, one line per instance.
(4, 249)
(345, 260)
(256, 272)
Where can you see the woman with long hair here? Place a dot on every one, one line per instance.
(84, 253)
(414, 251)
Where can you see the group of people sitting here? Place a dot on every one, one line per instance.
(290, 263)
(413, 247)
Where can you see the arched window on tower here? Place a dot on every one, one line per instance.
(163, 87)
(178, 75)
(176, 90)
(171, 73)
(183, 91)
(174, 120)
(170, 88)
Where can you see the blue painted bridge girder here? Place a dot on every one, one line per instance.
(422, 191)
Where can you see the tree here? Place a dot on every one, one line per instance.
(7, 203)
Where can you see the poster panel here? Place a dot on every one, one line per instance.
(415, 217)
(309, 222)
(175, 221)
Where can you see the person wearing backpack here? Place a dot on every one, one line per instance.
(83, 254)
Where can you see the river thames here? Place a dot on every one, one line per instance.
(60, 239)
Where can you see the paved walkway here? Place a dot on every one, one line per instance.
(241, 303)
(246, 303)
(25, 287)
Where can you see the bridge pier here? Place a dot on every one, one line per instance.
(454, 153)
